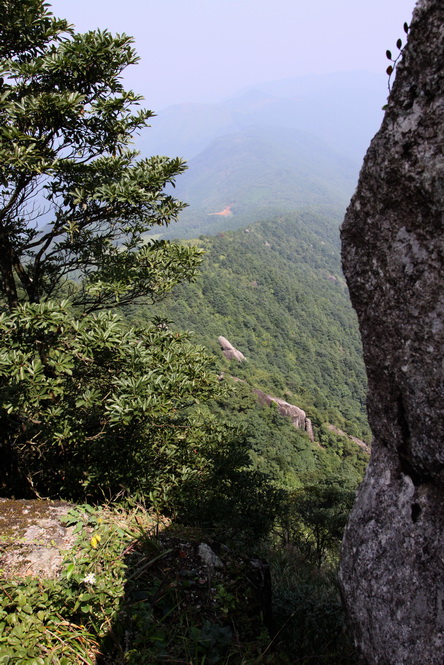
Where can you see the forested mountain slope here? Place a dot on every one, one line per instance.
(275, 291)
(95, 411)
(258, 173)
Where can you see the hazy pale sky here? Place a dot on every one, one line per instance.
(205, 50)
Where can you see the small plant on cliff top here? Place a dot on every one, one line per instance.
(391, 68)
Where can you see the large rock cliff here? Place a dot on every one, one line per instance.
(392, 571)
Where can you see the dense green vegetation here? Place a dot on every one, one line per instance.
(85, 411)
(284, 453)
(276, 292)
(133, 592)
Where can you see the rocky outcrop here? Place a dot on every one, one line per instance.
(229, 351)
(392, 571)
(297, 416)
(33, 538)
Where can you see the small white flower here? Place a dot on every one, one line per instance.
(89, 579)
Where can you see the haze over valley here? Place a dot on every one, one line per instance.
(281, 146)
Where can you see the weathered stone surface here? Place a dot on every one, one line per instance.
(392, 571)
(229, 351)
(309, 429)
(297, 416)
(33, 541)
(209, 557)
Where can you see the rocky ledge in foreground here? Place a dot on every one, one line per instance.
(33, 540)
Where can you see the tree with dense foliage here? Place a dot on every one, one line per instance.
(315, 518)
(89, 406)
(109, 407)
(75, 200)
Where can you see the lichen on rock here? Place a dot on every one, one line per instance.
(33, 540)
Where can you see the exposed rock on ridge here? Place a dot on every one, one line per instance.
(229, 351)
(355, 439)
(297, 416)
(392, 571)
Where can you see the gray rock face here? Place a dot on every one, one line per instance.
(209, 558)
(392, 571)
(33, 539)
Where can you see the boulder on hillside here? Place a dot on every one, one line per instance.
(229, 351)
(392, 570)
(297, 416)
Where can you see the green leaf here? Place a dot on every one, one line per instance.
(86, 609)
(70, 568)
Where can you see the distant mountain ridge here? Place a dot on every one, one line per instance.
(343, 109)
(268, 150)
